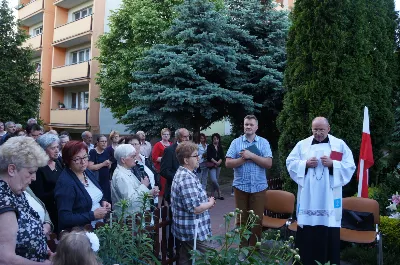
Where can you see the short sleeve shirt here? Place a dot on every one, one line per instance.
(31, 241)
(97, 158)
(249, 177)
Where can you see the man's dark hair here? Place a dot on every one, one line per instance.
(64, 133)
(32, 127)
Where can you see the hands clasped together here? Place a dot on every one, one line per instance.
(101, 212)
(312, 162)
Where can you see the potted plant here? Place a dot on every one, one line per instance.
(61, 105)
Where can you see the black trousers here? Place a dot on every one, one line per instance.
(318, 243)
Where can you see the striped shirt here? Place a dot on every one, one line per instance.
(186, 194)
(249, 177)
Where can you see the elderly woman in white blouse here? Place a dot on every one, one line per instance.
(124, 184)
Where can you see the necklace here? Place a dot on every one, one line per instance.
(85, 181)
(315, 174)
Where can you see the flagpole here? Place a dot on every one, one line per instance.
(360, 178)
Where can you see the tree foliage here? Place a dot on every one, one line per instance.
(19, 90)
(134, 28)
(197, 80)
(265, 72)
(340, 59)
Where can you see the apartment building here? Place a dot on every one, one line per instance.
(63, 35)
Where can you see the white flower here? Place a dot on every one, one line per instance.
(395, 216)
(392, 207)
(94, 241)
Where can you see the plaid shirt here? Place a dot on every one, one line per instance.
(249, 177)
(186, 194)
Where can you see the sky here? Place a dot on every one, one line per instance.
(13, 3)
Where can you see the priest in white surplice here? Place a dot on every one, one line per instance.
(321, 165)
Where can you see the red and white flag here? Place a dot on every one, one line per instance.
(366, 158)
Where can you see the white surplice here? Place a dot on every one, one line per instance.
(319, 196)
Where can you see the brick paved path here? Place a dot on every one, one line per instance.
(221, 208)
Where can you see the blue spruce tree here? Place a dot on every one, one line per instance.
(196, 81)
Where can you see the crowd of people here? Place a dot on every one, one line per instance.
(49, 182)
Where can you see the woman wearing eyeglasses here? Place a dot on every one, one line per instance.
(99, 162)
(189, 203)
(78, 195)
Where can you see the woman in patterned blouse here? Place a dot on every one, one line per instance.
(189, 204)
(22, 240)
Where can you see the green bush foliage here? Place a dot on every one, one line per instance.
(20, 90)
(384, 191)
(367, 255)
(121, 244)
(231, 252)
(390, 229)
(340, 59)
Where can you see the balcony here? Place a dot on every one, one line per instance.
(68, 3)
(69, 118)
(31, 13)
(73, 33)
(35, 43)
(71, 75)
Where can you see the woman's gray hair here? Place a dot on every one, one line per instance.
(47, 139)
(123, 151)
(22, 152)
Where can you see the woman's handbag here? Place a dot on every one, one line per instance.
(210, 164)
(360, 221)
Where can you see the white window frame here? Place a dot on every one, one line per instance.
(81, 100)
(86, 56)
(81, 13)
(40, 31)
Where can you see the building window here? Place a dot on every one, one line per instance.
(38, 67)
(37, 31)
(87, 11)
(79, 100)
(80, 56)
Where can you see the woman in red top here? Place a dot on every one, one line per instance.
(157, 153)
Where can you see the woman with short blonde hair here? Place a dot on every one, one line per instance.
(22, 240)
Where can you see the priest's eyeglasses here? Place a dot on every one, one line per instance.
(318, 130)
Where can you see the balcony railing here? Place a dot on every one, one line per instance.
(34, 42)
(75, 73)
(30, 9)
(73, 29)
(68, 3)
(69, 116)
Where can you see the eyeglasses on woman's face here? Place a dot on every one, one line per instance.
(78, 160)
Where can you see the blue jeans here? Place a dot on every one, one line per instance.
(214, 175)
(203, 175)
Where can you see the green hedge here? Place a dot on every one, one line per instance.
(390, 229)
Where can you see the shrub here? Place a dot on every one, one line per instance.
(121, 244)
(384, 191)
(231, 252)
(390, 229)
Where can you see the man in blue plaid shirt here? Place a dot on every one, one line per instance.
(249, 156)
(189, 203)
